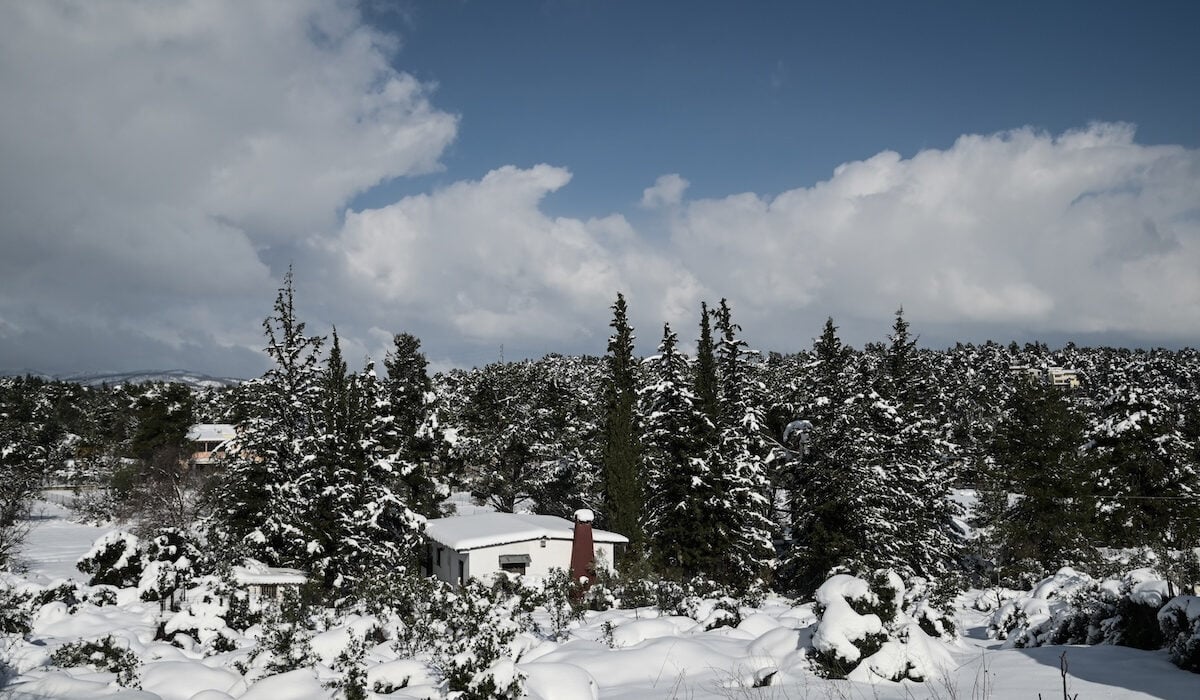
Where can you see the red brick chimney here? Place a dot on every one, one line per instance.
(583, 552)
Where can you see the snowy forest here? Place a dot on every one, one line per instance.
(891, 483)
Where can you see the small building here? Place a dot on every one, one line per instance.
(208, 442)
(267, 583)
(1063, 378)
(463, 546)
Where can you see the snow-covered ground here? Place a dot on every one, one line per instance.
(623, 654)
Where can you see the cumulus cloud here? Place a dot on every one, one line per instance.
(1017, 234)
(667, 191)
(482, 261)
(1086, 232)
(157, 155)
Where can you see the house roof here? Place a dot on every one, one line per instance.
(257, 573)
(466, 532)
(211, 432)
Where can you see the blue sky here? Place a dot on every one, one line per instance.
(768, 96)
(491, 174)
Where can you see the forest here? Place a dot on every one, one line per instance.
(730, 471)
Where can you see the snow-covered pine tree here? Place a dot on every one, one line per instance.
(507, 435)
(918, 464)
(362, 524)
(258, 504)
(739, 509)
(706, 379)
(622, 478)
(1044, 508)
(680, 482)
(820, 507)
(415, 438)
(1148, 478)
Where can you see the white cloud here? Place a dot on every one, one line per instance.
(155, 153)
(1018, 232)
(667, 191)
(1086, 232)
(484, 262)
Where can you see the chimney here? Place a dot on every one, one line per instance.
(583, 552)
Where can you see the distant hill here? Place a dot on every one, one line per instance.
(196, 380)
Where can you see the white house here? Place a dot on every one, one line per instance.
(208, 442)
(267, 582)
(463, 546)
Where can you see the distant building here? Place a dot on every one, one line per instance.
(460, 547)
(208, 441)
(267, 583)
(1054, 376)
(1063, 378)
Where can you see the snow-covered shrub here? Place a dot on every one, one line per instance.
(67, 593)
(14, 612)
(1179, 621)
(352, 670)
(1072, 608)
(847, 632)
(500, 681)
(284, 641)
(863, 632)
(114, 560)
(101, 596)
(563, 600)
(109, 654)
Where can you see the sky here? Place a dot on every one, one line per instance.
(488, 176)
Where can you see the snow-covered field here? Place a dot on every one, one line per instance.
(632, 654)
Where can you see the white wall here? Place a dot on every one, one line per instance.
(485, 561)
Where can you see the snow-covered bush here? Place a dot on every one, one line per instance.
(114, 560)
(1072, 608)
(1179, 621)
(284, 639)
(863, 632)
(108, 654)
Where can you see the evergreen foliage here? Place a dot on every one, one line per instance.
(680, 480)
(738, 509)
(415, 436)
(622, 478)
(1039, 486)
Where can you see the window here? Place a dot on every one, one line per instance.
(461, 576)
(515, 563)
(439, 556)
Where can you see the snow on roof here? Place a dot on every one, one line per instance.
(211, 432)
(254, 572)
(466, 532)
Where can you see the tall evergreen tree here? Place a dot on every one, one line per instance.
(707, 383)
(1148, 478)
(415, 437)
(740, 509)
(681, 482)
(1040, 486)
(258, 502)
(623, 497)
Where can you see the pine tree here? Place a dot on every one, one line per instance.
(623, 498)
(706, 382)
(740, 508)
(681, 483)
(1041, 480)
(415, 437)
(259, 503)
(1148, 478)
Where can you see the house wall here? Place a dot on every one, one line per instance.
(448, 568)
(485, 561)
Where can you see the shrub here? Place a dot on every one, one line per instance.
(1179, 621)
(108, 654)
(113, 560)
